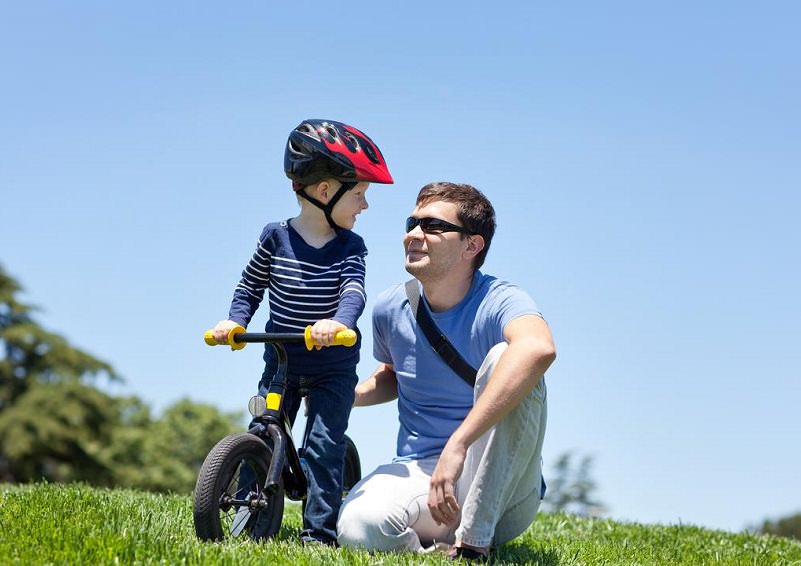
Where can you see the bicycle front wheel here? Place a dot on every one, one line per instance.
(230, 500)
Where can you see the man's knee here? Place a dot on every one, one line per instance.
(368, 527)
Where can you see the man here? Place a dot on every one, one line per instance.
(468, 470)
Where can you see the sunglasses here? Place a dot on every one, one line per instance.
(434, 226)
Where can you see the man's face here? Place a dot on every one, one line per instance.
(431, 256)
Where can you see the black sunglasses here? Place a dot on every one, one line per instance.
(434, 226)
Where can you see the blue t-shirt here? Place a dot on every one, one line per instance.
(432, 399)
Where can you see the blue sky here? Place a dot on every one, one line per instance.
(643, 161)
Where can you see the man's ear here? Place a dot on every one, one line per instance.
(475, 244)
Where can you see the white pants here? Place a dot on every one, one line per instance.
(498, 492)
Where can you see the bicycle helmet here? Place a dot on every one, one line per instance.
(319, 149)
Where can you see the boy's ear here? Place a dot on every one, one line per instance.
(323, 191)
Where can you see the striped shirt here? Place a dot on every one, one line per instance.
(305, 284)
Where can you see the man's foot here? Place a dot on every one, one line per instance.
(468, 554)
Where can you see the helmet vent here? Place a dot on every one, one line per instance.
(295, 149)
(329, 132)
(308, 130)
(354, 145)
(371, 155)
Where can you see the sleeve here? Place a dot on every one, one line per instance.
(513, 302)
(381, 351)
(249, 293)
(352, 295)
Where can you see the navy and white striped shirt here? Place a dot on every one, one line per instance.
(305, 284)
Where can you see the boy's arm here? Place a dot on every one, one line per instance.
(352, 299)
(381, 387)
(352, 296)
(249, 293)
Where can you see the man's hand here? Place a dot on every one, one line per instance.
(442, 501)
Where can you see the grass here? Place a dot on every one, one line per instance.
(77, 524)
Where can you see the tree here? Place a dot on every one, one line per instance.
(55, 425)
(33, 355)
(166, 454)
(57, 432)
(789, 527)
(571, 489)
(51, 420)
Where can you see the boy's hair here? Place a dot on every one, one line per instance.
(474, 210)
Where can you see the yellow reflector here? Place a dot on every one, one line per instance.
(273, 401)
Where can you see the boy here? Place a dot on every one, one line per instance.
(313, 266)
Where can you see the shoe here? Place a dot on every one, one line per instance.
(437, 548)
(467, 555)
(311, 540)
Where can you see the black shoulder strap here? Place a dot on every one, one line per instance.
(436, 338)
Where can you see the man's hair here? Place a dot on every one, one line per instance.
(475, 211)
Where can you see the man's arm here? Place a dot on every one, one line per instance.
(381, 387)
(519, 369)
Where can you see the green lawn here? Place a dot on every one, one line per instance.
(77, 524)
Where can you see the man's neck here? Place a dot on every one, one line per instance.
(446, 293)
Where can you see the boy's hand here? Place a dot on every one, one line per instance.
(221, 330)
(324, 331)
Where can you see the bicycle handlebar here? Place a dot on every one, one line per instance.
(238, 338)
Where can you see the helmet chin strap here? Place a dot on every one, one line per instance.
(329, 208)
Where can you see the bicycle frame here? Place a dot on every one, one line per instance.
(267, 450)
(285, 462)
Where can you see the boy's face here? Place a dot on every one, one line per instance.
(351, 204)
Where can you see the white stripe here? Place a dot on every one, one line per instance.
(284, 294)
(317, 314)
(354, 257)
(302, 320)
(316, 275)
(287, 304)
(325, 292)
(309, 279)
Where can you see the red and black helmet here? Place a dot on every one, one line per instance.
(317, 149)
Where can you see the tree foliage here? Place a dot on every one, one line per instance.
(165, 454)
(57, 431)
(571, 488)
(33, 355)
(789, 527)
(55, 424)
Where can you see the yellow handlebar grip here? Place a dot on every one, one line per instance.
(208, 338)
(345, 338)
(308, 339)
(342, 338)
(232, 333)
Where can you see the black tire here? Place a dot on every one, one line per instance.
(352, 472)
(236, 458)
